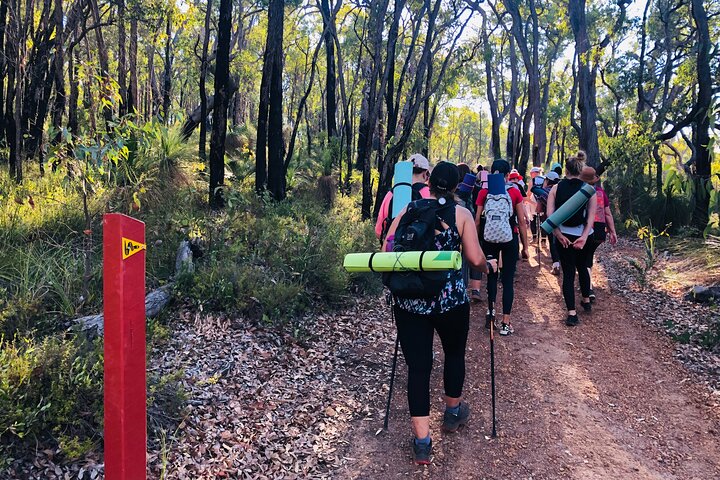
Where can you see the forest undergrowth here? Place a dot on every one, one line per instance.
(269, 262)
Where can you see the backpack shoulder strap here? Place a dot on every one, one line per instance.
(416, 189)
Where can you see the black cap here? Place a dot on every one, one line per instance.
(445, 176)
(500, 166)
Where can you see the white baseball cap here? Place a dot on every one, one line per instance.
(419, 161)
(536, 170)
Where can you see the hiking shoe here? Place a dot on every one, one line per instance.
(592, 296)
(587, 306)
(555, 270)
(490, 317)
(453, 421)
(421, 452)
(506, 329)
(572, 320)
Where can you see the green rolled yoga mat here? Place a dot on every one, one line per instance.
(569, 208)
(430, 261)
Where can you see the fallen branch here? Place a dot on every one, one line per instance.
(155, 301)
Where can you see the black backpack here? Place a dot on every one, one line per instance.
(416, 232)
(415, 195)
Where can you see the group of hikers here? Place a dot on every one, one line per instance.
(492, 231)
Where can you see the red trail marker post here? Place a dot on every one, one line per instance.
(124, 347)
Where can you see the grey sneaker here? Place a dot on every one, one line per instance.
(452, 422)
(421, 452)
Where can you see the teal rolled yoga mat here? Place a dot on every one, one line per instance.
(569, 208)
(402, 187)
(430, 261)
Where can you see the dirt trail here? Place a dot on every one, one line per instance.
(604, 400)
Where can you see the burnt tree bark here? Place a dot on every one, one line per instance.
(58, 109)
(330, 73)
(203, 77)
(167, 72)
(222, 97)
(275, 141)
(105, 82)
(372, 93)
(133, 97)
(122, 59)
(269, 158)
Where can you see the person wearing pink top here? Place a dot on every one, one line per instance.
(604, 222)
(421, 173)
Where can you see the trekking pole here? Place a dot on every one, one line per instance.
(492, 375)
(392, 381)
(394, 365)
(492, 358)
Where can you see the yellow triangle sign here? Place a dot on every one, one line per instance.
(131, 247)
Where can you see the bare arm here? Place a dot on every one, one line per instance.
(610, 221)
(393, 227)
(522, 225)
(478, 215)
(470, 242)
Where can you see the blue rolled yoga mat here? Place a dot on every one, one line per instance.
(402, 187)
(569, 208)
(496, 184)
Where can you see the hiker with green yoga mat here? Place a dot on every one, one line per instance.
(572, 235)
(448, 313)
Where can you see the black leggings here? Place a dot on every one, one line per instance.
(592, 245)
(416, 340)
(571, 260)
(554, 247)
(509, 252)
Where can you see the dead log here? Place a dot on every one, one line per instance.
(155, 301)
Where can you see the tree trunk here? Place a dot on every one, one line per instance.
(133, 98)
(167, 73)
(553, 144)
(3, 64)
(330, 74)
(641, 66)
(105, 82)
(371, 96)
(262, 122)
(586, 83)
(122, 63)
(73, 74)
(530, 59)
(13, 134)
(494, 116)
(219, 126)
(511, 141)
(276, 144)
(269, 159)
(703, 160)
(203, 79)
(59, 70)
